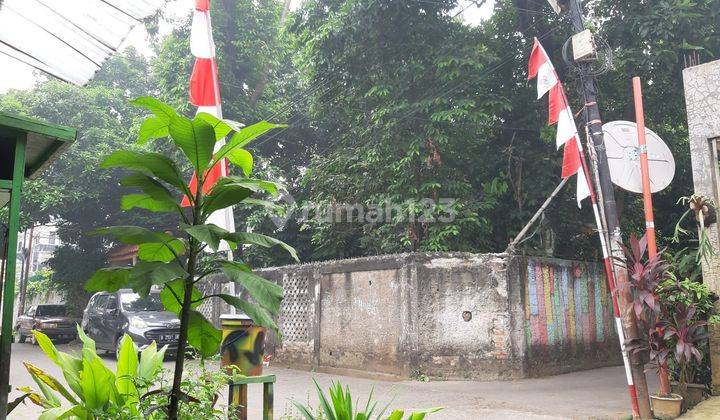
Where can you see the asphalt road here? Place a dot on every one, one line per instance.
(596, 394)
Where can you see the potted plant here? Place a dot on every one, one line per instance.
(687, 333)
(685, 294)
(645, 275)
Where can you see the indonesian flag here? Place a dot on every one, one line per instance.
(559, 112)
(205, 94)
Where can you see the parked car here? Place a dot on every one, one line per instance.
(52, 320)
(108, 316)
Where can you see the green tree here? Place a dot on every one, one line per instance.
(73, 191)
(172, 260)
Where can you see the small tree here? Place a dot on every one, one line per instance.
(171, 260)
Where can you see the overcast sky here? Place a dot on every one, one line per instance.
(16, 75)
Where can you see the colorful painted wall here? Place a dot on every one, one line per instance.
(568, 316)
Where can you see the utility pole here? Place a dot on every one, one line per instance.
(27, 260)
(594, 124)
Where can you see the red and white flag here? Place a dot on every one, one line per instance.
(205, 94)
(559, 112)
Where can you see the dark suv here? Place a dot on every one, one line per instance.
(110, 315)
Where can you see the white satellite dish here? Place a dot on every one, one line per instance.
(621, 143)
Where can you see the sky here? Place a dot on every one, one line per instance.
(16, 75)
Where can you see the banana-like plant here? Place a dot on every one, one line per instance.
(339, 406)
(92, 388)
(171, 260)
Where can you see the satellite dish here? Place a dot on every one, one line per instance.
(623, 153)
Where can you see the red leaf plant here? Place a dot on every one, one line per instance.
(645, 274)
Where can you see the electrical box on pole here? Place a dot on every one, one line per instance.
(559, 6)
(583, 46)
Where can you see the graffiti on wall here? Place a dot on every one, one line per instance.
(567, 305)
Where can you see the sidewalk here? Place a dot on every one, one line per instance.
(708, 409)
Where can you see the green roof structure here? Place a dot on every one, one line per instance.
(45, 142)
(27, 147)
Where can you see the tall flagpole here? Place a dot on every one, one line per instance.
(575, 163)
(610, 275)
(228, 213)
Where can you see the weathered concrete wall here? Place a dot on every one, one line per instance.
(702, 99)
(482, 346)
(446, 315)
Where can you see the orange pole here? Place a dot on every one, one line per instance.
(647, 195)
(647, 203)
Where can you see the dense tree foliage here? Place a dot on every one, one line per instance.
(392, 103)
(74, 192)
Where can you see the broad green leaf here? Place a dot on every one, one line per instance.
(222, 127)
(46, 345)
(145, 201)
(171, 303)
(51, 399)
(396, 415)
(147, 162)
(150, 361)
(202, 335)
(196, 138)
(70, 365)
(257, 185)
(152, 128)
(145, 274)
(51, 382)
(148, 185)
(222, 196)
(266, 293)
(164, 252)
(55, 413)
(244, 136)
(96, 380)
(251, 238)
(162, 111)
(241, 158)
(258, 314)
(127, 365)
(420, 415)
(108, 280)
(152, 246)
(209, 234)
(88, 343)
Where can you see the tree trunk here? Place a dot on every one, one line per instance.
(194, 250)
(26, 272)
(266, 69)
(182, 341)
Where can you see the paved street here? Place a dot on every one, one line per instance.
(597, 394)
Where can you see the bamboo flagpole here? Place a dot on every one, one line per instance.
(575, 163)
(610, 275)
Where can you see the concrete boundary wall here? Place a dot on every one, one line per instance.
(445, 315)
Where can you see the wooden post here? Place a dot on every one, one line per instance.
(267, 401)
(8, 293)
